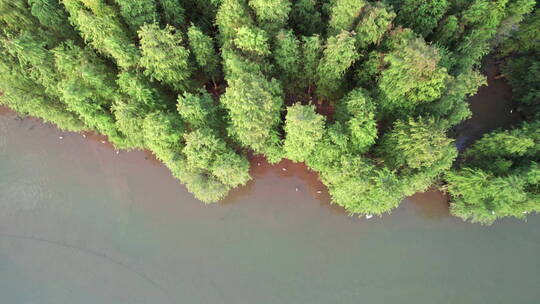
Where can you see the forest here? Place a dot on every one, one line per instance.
(369, 94)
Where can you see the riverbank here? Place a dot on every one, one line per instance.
(492, 108)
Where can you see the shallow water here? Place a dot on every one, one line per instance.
(81, 224)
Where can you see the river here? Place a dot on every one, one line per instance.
(82, 224)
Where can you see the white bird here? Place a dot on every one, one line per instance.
(368, 216)
(84, 135)
(296, 189)
(60, 137)
(117, 152)
(284, 169)
(258, 164)
(319, 191)
(102, 141)
(511, 110)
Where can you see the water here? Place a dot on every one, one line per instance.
(82, 224)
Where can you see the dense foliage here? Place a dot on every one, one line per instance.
(367, 93)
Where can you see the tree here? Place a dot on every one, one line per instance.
(357, 112)
(254, 107)
(172, 12)
(163, 56)
(28, 97)
(287, 54)
(231, 15)
(416, 143)
(343, 15)
(52, 15)
(199, 110)
(202, 48)
(139, 98)
(311, 56)
(481, 197)
(100, 25)
(138, 13)
(271, 14)
(412, 75)
(252, 40)
(338, 56)
(305, 18)
(303, 128)
(421, 16)
(88, 88)
(374, 22)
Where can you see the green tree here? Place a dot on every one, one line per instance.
(164, 57)
(412, 75)
(202, 48)
(199, 110)
(172, 12)
(138, 13)
(421, 16)
(271, 14)
(303, 128)
(343, 15)
(338, 56)
(252, 40)
(88, 88)
(305, 18)
(287, 55)
(374, 22)
(102, 28)
(357, 112)
(416, 144)
(254, 106)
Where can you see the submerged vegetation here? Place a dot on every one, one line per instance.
(366, 93)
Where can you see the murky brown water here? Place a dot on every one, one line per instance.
(82, 224)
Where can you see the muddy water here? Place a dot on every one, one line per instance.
(82, 224)
(492, 107)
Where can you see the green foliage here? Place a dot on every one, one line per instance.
(231, 15)
(287, 55)
(202, 48)
(137, 13)
(252, 40)
(526, 38)
(199, 110)
(139, 98)
(52, 15)
(163, 56)
(361, 187)
(271, 14)
(101, 27)
(172, 12)
(88, 88)
(343, 15)
(27, 97)
(311, 56)
(416, 144)
(357, 111)
(412, 76)
(375, 21)
(254, 106)
(306, 18)
(303, 128)
(453, 108)
(338, 56)
(481, 197)
(419, 15)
